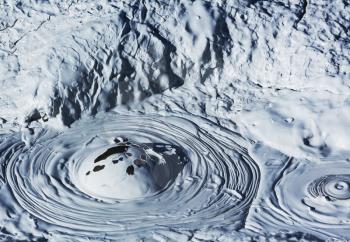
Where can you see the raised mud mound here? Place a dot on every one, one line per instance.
(198, 179)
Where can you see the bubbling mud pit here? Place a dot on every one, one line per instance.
(116, 176)
(310, 196)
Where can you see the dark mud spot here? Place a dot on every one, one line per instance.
(306, 141)
(111, 151)
(117, 160)
(33, 116)
(45, 118)
(139, 162)
(120, 139)
(98, 168)
(325, 150)
(130, 170)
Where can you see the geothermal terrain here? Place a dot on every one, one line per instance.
(179, 120)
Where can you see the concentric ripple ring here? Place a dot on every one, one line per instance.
(211, 179)
(313, 196)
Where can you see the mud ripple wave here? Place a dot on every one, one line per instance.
(313, 197)
(214, 186)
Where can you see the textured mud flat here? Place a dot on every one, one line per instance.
(175, 120)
